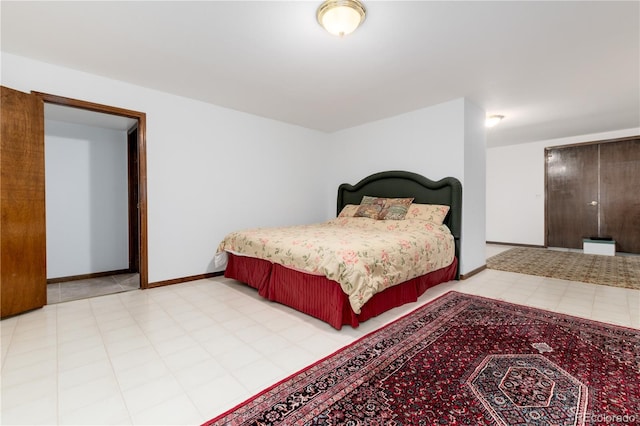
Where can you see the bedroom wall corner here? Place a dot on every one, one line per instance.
(473, 190)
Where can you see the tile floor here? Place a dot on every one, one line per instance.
(182, 354)
(92, 287)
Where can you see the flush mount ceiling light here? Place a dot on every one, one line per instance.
(492, 120)
(341, 17)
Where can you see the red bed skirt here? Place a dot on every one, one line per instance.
(323, 298)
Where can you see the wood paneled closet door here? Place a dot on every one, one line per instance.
(620, 193)
(592, 190)
(22, 191)
(572, 190)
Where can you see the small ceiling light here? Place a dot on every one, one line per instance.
(492, 120)
(341, 17)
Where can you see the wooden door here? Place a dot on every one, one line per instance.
(22, 226)
(572, 195)
(620, 193)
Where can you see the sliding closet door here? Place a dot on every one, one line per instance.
(23, 245)
(592, 190)
(620, 193)
(572, 195)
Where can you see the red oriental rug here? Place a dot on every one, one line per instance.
(464, 359)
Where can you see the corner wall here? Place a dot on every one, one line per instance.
(474, 190)
(211, 170)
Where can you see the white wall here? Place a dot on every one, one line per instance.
(431, 142)
(428, 141)
(473, 252)
(210, 170)
(515, 187)
(86, 199)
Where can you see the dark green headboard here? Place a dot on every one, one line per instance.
(401, 184)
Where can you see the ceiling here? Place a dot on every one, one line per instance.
(554, 69)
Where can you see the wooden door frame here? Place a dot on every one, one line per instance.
(141, 187)
(132, 184)
(546, 181)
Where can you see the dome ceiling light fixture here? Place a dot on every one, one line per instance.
(492, 120)
(341, 17)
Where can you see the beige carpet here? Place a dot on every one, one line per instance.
(617, 271)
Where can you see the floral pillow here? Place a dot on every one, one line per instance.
(349, 210)
(430, 212)
(370, 207)
(395, 208)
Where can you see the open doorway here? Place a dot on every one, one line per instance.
(96, 199)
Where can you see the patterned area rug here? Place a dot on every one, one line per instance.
(464, 359)
(617, 271)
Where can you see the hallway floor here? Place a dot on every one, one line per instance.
(83, 289)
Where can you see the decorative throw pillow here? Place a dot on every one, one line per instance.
(370, 207)
(349, 210)
(395, 208)
(430, 212)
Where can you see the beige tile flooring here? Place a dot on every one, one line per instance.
(182, 354)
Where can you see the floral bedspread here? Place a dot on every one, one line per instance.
(365, 256)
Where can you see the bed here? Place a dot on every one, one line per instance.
(286, 273)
